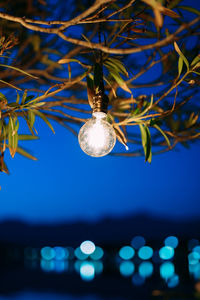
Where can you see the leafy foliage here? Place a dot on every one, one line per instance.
(43, 62)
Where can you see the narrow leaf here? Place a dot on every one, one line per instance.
(164, 135)
(44, 118)
(25, 153)
(19, 70)
(181, 55)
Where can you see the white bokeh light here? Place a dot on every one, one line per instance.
(87, 247)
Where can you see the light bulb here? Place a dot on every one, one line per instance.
(97, 137)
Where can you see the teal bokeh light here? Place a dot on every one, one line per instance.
(166, 252)
(47, 253)
(193, 258)
(126, 268)
(47, 265)
(145, 252)
(145, 269)
(126, 252)
(61, 253)
(79, 254)
(167, 270)
(171, 241)
(97, 254)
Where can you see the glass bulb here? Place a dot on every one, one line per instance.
(97, 137)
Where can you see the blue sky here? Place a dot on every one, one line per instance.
(65, 184)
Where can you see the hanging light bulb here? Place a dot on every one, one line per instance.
(97, 137)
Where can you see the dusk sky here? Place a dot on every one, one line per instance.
(65, 184)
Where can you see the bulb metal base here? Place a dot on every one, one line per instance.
(100, 102)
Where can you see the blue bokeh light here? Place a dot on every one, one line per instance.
(97, 254)
(167, 270)
(47, 253)
(193, 258)
(173, 281)
(145, 269)
(126, 252)
(79, 254)
(47, 265)
(126, 268)
(171, 241)
(145, 252)
(138, 242)
(61, 253)
(166, 253)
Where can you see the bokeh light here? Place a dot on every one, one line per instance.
(87, 271)
(126, 268)
(97, 254)
(195, 271)
(167, 270)
(126, 252)
(192, 243)
(98, 266)
(79, 254)
(166, 252)
(60, 266)
(145, 269)
(197, 250)
(87, 247)
(193, 258)
(145, 252)
(47, 265)
(171, 241)
(61, 253)
(173, 281)
(138, 242)
(47, 253)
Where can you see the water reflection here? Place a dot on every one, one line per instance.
(47, 296)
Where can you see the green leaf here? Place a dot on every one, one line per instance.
(146, 142)
(24, 97)
(18, 98)
(31, 118)
(181, 55)
(190, 9)
(115, 64)
(195, 60)
(180, 65)
(163, 133)
(13, 135)
(19, 70)
(120, 81)
(3, 98)
(44, 118)
(29, 98)
(27, 137)
(25, 153)
(9, 84)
